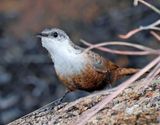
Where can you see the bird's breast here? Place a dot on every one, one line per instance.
(69, 65)
(85, 78)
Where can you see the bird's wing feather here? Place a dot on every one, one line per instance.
(101, 64)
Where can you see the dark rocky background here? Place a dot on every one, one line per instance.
(27, 77)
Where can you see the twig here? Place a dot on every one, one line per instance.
(152, 75)
(129, 34)
(121, 44)
(89, 113)
(149, 27)
(145, 50)
(155, 35)
(147, 4)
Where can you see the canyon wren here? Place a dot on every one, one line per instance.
(79, 69)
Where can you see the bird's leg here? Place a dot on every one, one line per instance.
(59, 101)
(53, 103)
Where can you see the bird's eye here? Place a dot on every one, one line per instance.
(55, 34)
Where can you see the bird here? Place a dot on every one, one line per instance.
(78, 69)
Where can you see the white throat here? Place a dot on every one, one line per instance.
(67, 60)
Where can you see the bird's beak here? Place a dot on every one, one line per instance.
(40, 35)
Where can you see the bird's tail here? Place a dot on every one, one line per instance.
(126, 71)
(121, 72)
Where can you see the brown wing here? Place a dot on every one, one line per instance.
(101, 64)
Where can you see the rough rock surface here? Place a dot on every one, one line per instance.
(132, 106)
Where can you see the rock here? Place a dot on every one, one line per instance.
(132, 106)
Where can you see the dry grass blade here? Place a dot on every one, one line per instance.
(89, 113)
